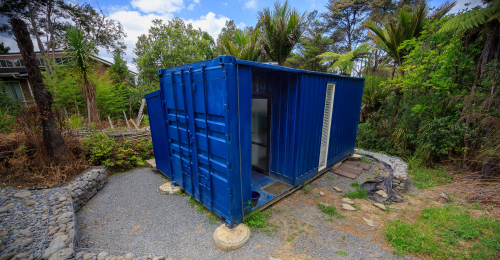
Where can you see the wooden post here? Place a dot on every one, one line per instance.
(88, 112)
(140, 120)
(67, 118)
(126, 120)
(140, 111)
(111, 123)
(131, 120)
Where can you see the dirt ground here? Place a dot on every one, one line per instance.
(137, 219)
(353, 224)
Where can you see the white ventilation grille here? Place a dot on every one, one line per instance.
(327, 122)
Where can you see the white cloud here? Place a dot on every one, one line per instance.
(158, 6)
(191, 7)
(224, 3)
(210, 23)
(461, 5)
(197, 1)
(252, 4)
(241, 25)
(135, 24)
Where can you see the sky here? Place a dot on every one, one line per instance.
(209, 15)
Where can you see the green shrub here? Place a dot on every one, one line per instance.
(99, 148)
(104, 150)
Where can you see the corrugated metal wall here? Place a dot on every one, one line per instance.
(158, 132)
(345, 117)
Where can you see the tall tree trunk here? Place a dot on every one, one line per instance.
(89, 93)
(52, 137)
(399, 96)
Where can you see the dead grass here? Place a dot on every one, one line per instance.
(29, 165)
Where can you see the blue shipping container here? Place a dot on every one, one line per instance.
(225, 127)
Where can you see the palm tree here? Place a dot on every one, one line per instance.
(81, 50)
(282, 29)
(392, 33)
(344, 63)
(247, 45)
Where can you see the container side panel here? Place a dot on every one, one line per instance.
(158, 133)
(195, 103)
(345, 116)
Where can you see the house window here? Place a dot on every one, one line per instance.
(13, 90)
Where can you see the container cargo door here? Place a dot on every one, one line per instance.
(327, 122)
(177, 121)
(195, 108)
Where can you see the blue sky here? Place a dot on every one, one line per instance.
(209, 15)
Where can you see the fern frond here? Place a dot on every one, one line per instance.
(469, 20)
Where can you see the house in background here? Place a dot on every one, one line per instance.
(14, 75)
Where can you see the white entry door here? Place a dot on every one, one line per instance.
(327, 122)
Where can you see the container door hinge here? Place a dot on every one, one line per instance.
(226, 107)
(228, 138)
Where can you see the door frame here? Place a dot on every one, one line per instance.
(267, 96)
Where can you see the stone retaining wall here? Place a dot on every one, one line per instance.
(399, 168)
(64, 203)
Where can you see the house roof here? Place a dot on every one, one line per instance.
(95, 57)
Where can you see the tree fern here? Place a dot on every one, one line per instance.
(474, 18)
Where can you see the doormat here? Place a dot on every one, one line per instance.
(276, 188)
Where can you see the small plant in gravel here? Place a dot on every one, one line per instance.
(306, 187)
(211, 218)
(330, 210)
(356, 194)
(356, 206)
(257, 220)
(340, 252)
(355, 184)
(195, 204)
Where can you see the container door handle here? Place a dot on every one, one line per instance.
(205, 186)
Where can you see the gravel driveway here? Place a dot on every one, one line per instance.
(129, 216)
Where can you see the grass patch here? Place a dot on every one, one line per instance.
(355, 184)
(426, 178)
(307, 188)
(446, 232)
(195, 204)
(330, 210)
(257, 220)
(356, 194)
(340, 252)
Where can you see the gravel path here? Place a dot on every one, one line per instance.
(127, 215)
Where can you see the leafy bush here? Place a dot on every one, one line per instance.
(117, 156)
(7, 121)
